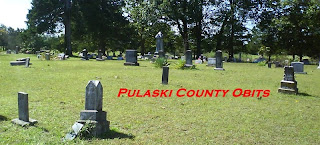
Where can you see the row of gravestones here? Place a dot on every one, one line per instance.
(97, 118)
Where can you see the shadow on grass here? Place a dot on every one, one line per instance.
(3, 118)
(111, 134)
(43, 129)
(306, 95)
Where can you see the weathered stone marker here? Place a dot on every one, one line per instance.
(27, 62)
(165, 75)
(188, 59)
(298, 67)
(219, 63)
(99, 58)
(211, 62)
(93, 113)
(84, 54)
(319, 65)
(159, 44)
(131, 58)
(47, 56)
(269, 64)
(23, 109)
(288, 84)
(9, 51)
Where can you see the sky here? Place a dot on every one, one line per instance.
(13, 13)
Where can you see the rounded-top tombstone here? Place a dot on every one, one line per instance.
(219, 64)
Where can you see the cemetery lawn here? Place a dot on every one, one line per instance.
(57, 95)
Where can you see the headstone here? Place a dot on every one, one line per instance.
(27, 62)
(288, 84)
(131, 58)
(85, 54)
(99, 58)
(47, 56)
(211, 62)
(23, 110)
(21, 61)
(9, 51)
(298, 67)
(277, 64)
(306, 61)
(61, 56)
(93, 113)
(188, 58)
(319, 65)
(219, 63)
(240, 57)
(269, 64)
(17, 49)
(183, 58)
(165, 75)
(109, 57)
(198, 61)
(159, 44)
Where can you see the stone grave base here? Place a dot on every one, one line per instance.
(98, 59)
(188, 65)
(98, 127)
(289, 87)
(131, 64)
(300, 72)
(15, 63)
(24, 123)
(218, 68)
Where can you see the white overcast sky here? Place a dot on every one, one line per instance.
(13, 13)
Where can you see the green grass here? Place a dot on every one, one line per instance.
(56, 96)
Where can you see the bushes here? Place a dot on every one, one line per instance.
(160, 62)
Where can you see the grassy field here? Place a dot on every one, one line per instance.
(56, 96)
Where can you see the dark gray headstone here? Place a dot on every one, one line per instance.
(288, 84)
(219, 63)
(298, 67)
(9, 51)
(159, 42)
(23, 106)
(188, 58)
(94, 96)
(47, 56)
(93, 113)
(85, 54)
(23, 110)
(27, 62)
(131, 58)
(269, 64)
(165, 75)
(99, 57)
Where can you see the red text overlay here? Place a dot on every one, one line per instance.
(193, 93)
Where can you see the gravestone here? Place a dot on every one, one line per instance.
(131, 58)
(165, 75)
(188, 59)
(211, 62)
(269, 64)
(183, 58)
(99, 58)
(93, 113)
(288, 84)
(159, 44)
(84, 54)
(319, 65)
(240, 57)
(61, 56)
(27, 62)
(298, 67)
(9, 51)
(219, 63)
(23, 110)
(306, 61)
(21, 61)
(47, 56)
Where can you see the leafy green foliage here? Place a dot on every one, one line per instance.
(262, 63)
(160, 62)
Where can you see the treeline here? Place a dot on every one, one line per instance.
(279, 26)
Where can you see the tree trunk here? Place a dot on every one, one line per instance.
(219, 38)
(68, 27)
(185, 36)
